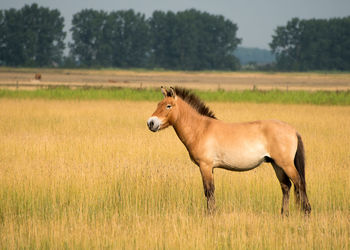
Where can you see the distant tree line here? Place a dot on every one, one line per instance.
(188, 40)
(116, 39)
(315, 44)
(33, 36)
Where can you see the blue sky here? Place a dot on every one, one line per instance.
(256, 19)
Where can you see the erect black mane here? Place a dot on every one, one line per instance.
(194, 101)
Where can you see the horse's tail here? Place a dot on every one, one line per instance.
(299, 160)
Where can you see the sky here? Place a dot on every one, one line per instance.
(256, 19)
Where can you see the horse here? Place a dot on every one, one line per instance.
(37, 76)
(212, 143)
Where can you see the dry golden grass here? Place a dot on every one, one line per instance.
(195, 80)
(89, 174)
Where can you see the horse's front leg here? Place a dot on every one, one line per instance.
(208, 184)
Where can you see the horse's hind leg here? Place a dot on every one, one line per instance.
(300, 188)
(285, 185)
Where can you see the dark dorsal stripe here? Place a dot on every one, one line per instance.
(194, 102)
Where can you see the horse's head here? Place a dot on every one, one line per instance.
(165, 113)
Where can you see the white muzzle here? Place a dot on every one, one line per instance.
(154, 123)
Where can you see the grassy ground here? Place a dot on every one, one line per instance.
(89, 174)
(256, 96)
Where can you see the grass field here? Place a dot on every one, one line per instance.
(132, 94)
(88, 174)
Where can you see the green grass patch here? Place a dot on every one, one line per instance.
(280, 96)
(256, 96)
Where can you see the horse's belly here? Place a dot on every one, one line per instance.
(239, 160)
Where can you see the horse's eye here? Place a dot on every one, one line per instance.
(168, 106)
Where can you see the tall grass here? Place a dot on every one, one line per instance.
(257, 96)
(89, 174)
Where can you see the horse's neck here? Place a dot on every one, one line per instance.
(189, 125)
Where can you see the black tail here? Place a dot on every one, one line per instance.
(299, 160)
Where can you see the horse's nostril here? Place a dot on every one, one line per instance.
(153, 124)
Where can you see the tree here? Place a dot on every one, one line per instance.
(286, 46)
(118, 39)
(315, 44)
(163, 31)
(130, 38)
(193, 40)
(31, 36)
(88, 31)
(2, 37)
(12, 49)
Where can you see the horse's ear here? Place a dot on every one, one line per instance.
(172, 92)
(164, 91)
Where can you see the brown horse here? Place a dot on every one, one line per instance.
(212, 143)
(37, 76)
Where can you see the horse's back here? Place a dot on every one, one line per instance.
(255, 129)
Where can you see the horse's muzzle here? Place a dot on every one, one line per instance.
(153, 123)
